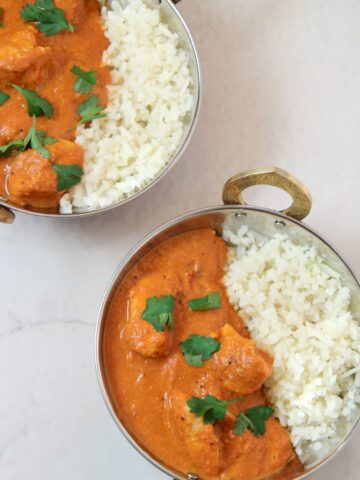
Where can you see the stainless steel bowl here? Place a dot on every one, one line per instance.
(233, 215)
(177, 23)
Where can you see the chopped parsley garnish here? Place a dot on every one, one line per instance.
(4, 97)
(48, 18)
(37, 105)
(210, 408)
(242, 424)
(68, 175)
(36, 139)
(210, 302)
(45, 139)
(2, 11)
(90, 109)
(197, 348)
(253, 419)
(86, 80)
(17, 144)
(158, 312)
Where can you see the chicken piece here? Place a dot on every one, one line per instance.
(14, 126)
(242, 367)
(74, 10)
(65, 152)
(208, 384)
(21, 58)
(255, 458)
(31, 180)
(198, 442)
(140, 335)
(30, 174)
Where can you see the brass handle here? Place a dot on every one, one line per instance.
(6, 215)
(276, 177)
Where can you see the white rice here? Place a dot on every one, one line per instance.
(297, 308)
(149, 100)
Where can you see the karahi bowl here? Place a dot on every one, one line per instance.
(234, 214)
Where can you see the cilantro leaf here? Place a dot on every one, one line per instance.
(258, 416)
(4, 97)
(197, 348)
(86, 80)
(253, 419)
(158, 312)
(90, 110)
(194, 360)
(210, 408)
(2, 11)
(34, 142)
(37, 105)
(210, 302)
(48, 18)
(36, 139)
(17, 144)
(68, 175)
(242, 424)
(45, 139)
(166, 319)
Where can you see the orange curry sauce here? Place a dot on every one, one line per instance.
(150, 381)
(42, 63)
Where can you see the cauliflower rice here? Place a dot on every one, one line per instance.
(149, 100)
(297, 308)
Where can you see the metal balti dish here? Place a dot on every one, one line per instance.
(177, 23)
(234, 214)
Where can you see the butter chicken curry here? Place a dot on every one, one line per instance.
(51, 79)
(184, 376)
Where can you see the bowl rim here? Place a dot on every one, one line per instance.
(101, 318)
(173, 161)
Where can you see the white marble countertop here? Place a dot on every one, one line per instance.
(282, 86)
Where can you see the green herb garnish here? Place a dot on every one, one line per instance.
(210, 302)
(68, 175)
(44, 138)
(48, 18)
(17, 144)
(37, 105)
(4, 97)
(158, 312)
(242, 424)
(90, 109)
(210, 408)
(253, 419)
(36, 139)
(197, 348)
(86, 80)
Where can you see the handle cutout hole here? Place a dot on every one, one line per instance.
(268, 197)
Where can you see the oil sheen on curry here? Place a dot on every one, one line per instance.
(183, 375)
(51, 78)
